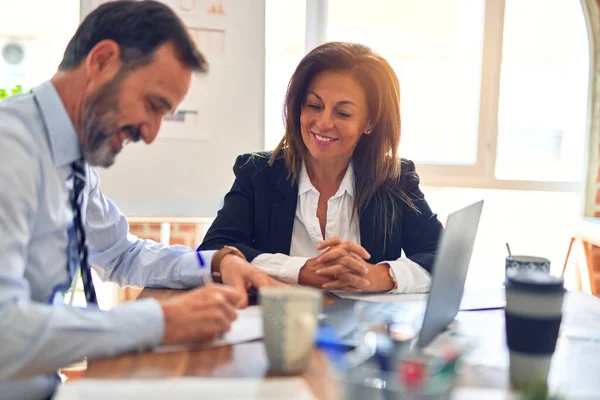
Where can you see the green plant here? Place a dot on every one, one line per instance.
(538, 391)
(4, 93)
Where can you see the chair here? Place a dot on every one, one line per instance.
(588, 234)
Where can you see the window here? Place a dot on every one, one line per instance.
(285, 47)
(543, 92)
(494, 100)
(504, 105)
(435, 47)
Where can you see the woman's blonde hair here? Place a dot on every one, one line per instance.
(375, 158)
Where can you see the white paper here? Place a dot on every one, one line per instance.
(383, 297)
(247, 327)
(487, 335)
(186, 388)
(581, 310)
(478, 298)
(473, 298)
(483, 393)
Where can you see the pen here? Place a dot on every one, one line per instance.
(206, 278)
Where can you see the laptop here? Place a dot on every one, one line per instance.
(447, 286)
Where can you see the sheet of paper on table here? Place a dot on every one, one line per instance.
(246, 328)
(186, 388)
(485, 331)
(467, 393)
(474, 298)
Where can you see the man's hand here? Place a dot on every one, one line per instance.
(200, 315)
(242, 275)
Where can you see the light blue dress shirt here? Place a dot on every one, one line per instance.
(39, 334)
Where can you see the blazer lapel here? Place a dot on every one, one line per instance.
(283, 214)
(371, 238)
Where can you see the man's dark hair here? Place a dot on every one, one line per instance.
(139, 27)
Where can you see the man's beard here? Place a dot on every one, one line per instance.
(99, 119)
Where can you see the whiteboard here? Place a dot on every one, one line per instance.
(188, 169)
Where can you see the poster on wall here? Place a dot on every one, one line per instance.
(207, 23)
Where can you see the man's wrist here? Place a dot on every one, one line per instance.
(218, 259)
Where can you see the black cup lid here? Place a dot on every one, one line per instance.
(536, 281)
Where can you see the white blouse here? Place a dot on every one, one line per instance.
(306, 235)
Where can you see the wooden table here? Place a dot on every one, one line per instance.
(574, 369)
(248, 360)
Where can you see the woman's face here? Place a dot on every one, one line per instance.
(334, 116)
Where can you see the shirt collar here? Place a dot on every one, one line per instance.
(304, 183)
(346, 186)
(64, 143)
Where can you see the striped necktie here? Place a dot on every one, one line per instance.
(79, 179)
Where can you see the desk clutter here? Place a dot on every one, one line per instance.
(389, 363)
(394, 371)
(385, 364)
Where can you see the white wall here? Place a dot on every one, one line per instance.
(42, 32)
(174, 177)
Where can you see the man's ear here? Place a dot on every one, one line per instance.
(104, 60)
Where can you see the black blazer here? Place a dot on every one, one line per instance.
(258, 216)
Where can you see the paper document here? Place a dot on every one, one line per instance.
(186, 388)
(467, 393)
(476, 298)
(581, 310)
(246, 328)
(486, 332)
(383, 297)
(473, 298)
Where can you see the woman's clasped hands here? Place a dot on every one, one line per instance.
(344, 266)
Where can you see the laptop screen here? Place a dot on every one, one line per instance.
(450, 271)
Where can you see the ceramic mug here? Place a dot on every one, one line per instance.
(518, 263)
(290, 322)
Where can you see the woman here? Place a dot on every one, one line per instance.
(333, 206)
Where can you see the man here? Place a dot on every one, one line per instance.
(128, 64)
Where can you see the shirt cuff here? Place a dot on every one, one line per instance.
(191, 274)
(410, 276)
(291, 269)
(140, 325)
(280, 266)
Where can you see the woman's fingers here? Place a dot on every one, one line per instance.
(334, 241)
(346, 280)
(342, 250)
(332, 270)
(357, 249)
(355, 264)
(332, 255)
